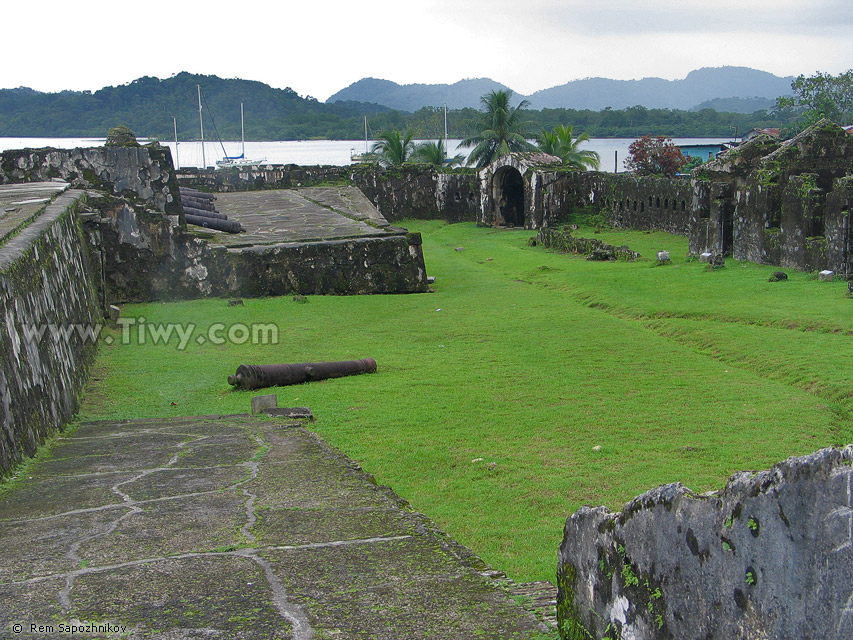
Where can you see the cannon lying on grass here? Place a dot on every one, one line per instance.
(251, 376)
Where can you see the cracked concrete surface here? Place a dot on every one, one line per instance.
(299, 215)
(229, 527)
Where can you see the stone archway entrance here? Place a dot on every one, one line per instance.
(508, 196)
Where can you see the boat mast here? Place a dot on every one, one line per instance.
(242, 134)
(365, 135)
(177, 161)
(201, 125)
(446, 150)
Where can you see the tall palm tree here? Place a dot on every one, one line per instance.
(502, 129)
(393, 147)
(434, 153)
(561, 143)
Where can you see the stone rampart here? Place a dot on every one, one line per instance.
(769, 556)
(138, 173)
(44, 286)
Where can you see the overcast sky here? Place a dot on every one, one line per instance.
(317, 47)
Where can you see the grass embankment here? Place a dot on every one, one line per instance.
(529, 359)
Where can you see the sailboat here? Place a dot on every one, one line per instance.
(238, 161)
(361, 157)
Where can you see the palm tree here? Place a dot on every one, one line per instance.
(559, 142)
(434, 153)
(502, 130)
(392, 147)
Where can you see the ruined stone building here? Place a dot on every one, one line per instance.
(766, 201)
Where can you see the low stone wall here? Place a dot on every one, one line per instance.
(770, 556)
(44, 282)
(630, 202)
(566, 242)
(421, 192)
(286, 176)
(389, 264)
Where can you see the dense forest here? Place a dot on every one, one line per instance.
(147, 105)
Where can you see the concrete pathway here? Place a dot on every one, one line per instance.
(229, 527)
(299, 215)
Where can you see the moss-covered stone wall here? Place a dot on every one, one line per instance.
(142, 174)
(768, 556)
(45, 285)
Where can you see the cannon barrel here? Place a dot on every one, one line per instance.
(252, 376)
(198, 203)
(195, 193)
(204, 213)
(230, 226)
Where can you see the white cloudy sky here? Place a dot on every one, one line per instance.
(317, 47)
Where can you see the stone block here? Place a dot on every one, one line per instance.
(260, 403)
(663, 256)
(705, 257)
(826, 275)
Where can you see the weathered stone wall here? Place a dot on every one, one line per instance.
(626, 201)
(410, 191)
(145, 255)
(421, 192)
(138, 173)
(388, 264)
(44, 281)
(251, 178)
(769, 556)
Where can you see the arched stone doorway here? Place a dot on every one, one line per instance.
(508, 196)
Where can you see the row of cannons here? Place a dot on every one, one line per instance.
(200, 210)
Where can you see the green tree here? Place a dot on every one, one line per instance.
(561, 143)
(434, 153)
(393, 147)
(821, 96)
(501, 129)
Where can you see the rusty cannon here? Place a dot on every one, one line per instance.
(229, 226)
(252, 376)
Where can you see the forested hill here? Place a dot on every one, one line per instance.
(147, 105)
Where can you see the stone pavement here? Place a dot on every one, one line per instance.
(229, 527)
(299, 215)
(19, 203)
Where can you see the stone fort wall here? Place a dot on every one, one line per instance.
(45, 284)
(769, 556)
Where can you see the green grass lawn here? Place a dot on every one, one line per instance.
(530, 359)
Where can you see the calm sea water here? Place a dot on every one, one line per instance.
(310, 152)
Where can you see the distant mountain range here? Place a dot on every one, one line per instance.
(737, 89)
